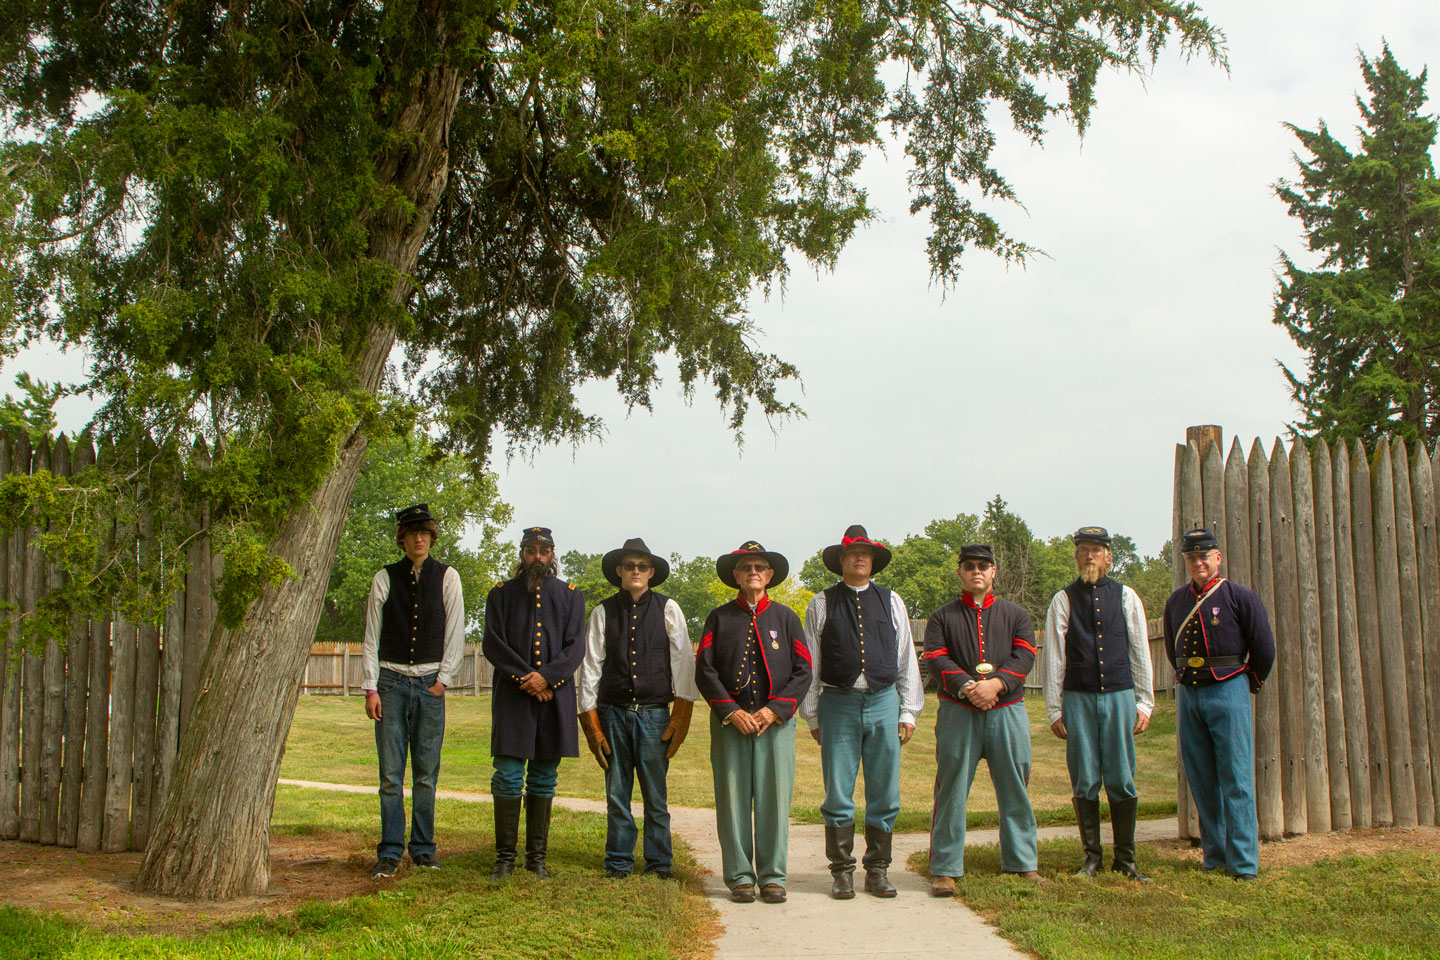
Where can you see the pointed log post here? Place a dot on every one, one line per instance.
(1288, 638)
(1392, 638)
(1192, 514)
(11, 577)
(119, 772)
(97, 723)
(1336, 762)
(1269, 795)
(1317, 777)
(32, 716)
(1367, 611)
(1422, 491)
(77, 676)
(1411, 620)
(1432, 638)
(1235, 538)
(51, 746)
(1352, 694)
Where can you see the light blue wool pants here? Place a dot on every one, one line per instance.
(754, 784)
(1217, 746)
(860, 729)
(1100, 742)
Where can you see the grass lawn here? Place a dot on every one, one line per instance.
(1338, 907)
(331, 740)
(455, 912)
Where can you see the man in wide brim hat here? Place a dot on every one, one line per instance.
(636, 690)
(753, 667)
(864, 697)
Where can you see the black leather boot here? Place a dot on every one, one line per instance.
(840, 849)
(1087, 815)
(1122, 823)
(537, 834)
(507, 830)
(877, 861)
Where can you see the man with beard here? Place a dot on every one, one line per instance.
(980, 649)
(414, 639)
(534, 636)
(1217, 632)
(753, 667)
(861, 707)
(1099, 693)
(636, 692)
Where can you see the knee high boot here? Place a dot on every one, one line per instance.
(537, 834)
(840, 849)
(877, 861)
(1087, 815)
(1122, 822)
(507, 832)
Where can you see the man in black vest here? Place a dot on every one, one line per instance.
(535, 637)
(1099, 694)
(861, 707)
(414, 640)
(636, 690)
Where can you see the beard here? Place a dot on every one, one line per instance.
(535, 572)
(1092, 572)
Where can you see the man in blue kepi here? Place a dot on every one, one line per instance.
(535, 637)
(1216, 633)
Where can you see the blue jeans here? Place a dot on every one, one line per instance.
(636, 748)
(859, 728)
(1217, 746)
(515, 776)
(411, 719)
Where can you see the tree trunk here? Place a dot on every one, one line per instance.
(211, 839)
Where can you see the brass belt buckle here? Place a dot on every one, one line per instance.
(1196, 662)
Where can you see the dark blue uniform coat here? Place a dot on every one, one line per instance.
(1231, 622)
(534, 631)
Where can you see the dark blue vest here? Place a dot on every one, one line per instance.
(858, 637)
(412, 621)
(1097, 642)
(636, 668)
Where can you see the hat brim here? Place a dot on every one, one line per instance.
(831, 557)
(418, 518)
(1105, 542)
(725, 568)
(610, 565)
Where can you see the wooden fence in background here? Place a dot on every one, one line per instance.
(89, 730)
(1341, 545)
(335, 669)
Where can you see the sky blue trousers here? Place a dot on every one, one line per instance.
(1217, 746)
(859, 728)
(962, 737)
(754, 784)
(1100, 742)
(515, 776)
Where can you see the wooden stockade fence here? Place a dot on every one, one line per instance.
(1341, 545)
(335, 668)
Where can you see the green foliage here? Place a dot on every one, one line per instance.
(400, 470)
(695, 587)
(1368, 317)
(34, 413)
(584, 570)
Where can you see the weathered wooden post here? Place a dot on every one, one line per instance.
(1392, 639)
(1422, 489)
(1352, 685)
(1410, 620)
(1269, 796)
(11, 578)
(32, 718)
(120, 767)
(1367, 610)
(53, 678)
(77, 676)
(97, 722)
(1192, 514)
(1333, 709)
(147, 692)
(1317, 777)
(1288, 638)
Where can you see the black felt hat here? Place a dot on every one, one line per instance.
(976, 551)
(1197, 540)
(611, 562)
(855, 535)
(725, 564)
(419, 513)
(1091, 535)
(536, 535)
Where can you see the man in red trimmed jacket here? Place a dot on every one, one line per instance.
(980, 649)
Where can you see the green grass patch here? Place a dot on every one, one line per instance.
(331, 740)
(1346, 907)
(453, 912)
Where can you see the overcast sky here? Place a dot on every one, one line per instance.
(1062, 386)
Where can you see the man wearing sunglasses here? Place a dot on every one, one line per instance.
(636, 691)
(980, 648)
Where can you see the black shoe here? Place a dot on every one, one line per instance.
(1246, 877)
(840, 848)
(663, 874)
(1122, 823)
(744, 893)
(877, 861)
(384, 868)
(772, 893)
(612, 874)
(507, 832)
(426, 860)
(1087, 815)
(537, 834)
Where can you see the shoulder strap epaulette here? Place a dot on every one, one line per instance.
(499, 584)
(570, 585)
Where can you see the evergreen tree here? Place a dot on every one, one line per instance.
(1368, 317)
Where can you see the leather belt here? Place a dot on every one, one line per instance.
(637, 707)
(1202, 663)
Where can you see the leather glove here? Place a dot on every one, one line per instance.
(679, 727)
(590, 723)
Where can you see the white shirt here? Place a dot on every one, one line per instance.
(682, 660)
(907, 674)
(1057, 624)
(450, 657)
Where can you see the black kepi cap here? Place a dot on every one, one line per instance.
(1091, 535)
(1198, 540)
(419, 513)
(536, 535)
(977, 551)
